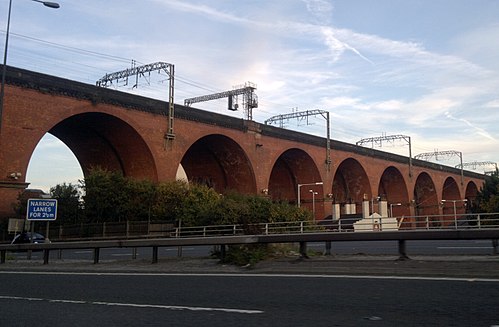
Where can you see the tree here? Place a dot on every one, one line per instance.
(488, 196)
(200, 206)
(169, 201)
(141, 197)
(69, 210)
(105, 195)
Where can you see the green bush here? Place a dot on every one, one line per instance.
(246, 254)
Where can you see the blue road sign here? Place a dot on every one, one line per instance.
(42, 209)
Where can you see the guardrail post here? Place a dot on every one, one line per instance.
(46, 256)
(104, 229)
(154, 254)
(234, 230)
(96, 255)
(328, 248)
(303, 250)
(301, 227)
(479, 221)
(402, 250)
(222, 252)
(494, 247)
(267, 229)
(3, 254)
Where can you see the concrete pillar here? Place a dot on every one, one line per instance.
(346, 208)
(383, 208)
(365, 209)
(353, 209)
(336, 211)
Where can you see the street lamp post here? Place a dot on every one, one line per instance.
(313, 202)
(307, 184)
(391, 207)
(454, 205)
(49, 4)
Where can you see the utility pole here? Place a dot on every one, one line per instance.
(306, 114)
(449, 153)
(250, 99)
(474, 165)
(140, 71)
(378, 141)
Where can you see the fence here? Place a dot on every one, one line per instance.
(401, 229)
(145, 229)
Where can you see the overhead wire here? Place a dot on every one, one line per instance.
(86, 72)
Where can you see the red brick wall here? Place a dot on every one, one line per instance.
(245, 159)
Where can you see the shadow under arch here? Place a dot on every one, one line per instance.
(351, 184)
(425, 198)
(219, 162)
(102, 140)
(470, 194)
(393, 188)
(295, 166)
(452, 202)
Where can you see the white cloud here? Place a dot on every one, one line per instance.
(321, 9)
(492, 104)
(441, 92)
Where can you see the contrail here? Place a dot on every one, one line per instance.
(479, 130)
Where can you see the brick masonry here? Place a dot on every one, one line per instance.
(125, 132)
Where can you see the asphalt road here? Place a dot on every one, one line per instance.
(98, 299)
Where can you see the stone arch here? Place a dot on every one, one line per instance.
(351, 184)
(425, 198)
(470, 195)
(293, 167)
(393, 188)
(219, 162)
(450, 190)
(105, 141)
(452, 202)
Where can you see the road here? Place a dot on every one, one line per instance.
(465, 247)
(83, 299)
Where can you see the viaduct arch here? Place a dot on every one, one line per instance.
(97, 139)
(120, 131)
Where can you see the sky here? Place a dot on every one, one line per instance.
(427, 69)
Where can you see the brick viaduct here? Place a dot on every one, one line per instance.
(125, 132)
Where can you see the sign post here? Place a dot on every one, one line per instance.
(40, 210)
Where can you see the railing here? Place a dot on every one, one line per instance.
(144, 229)
(375, 224)
(401, 229)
